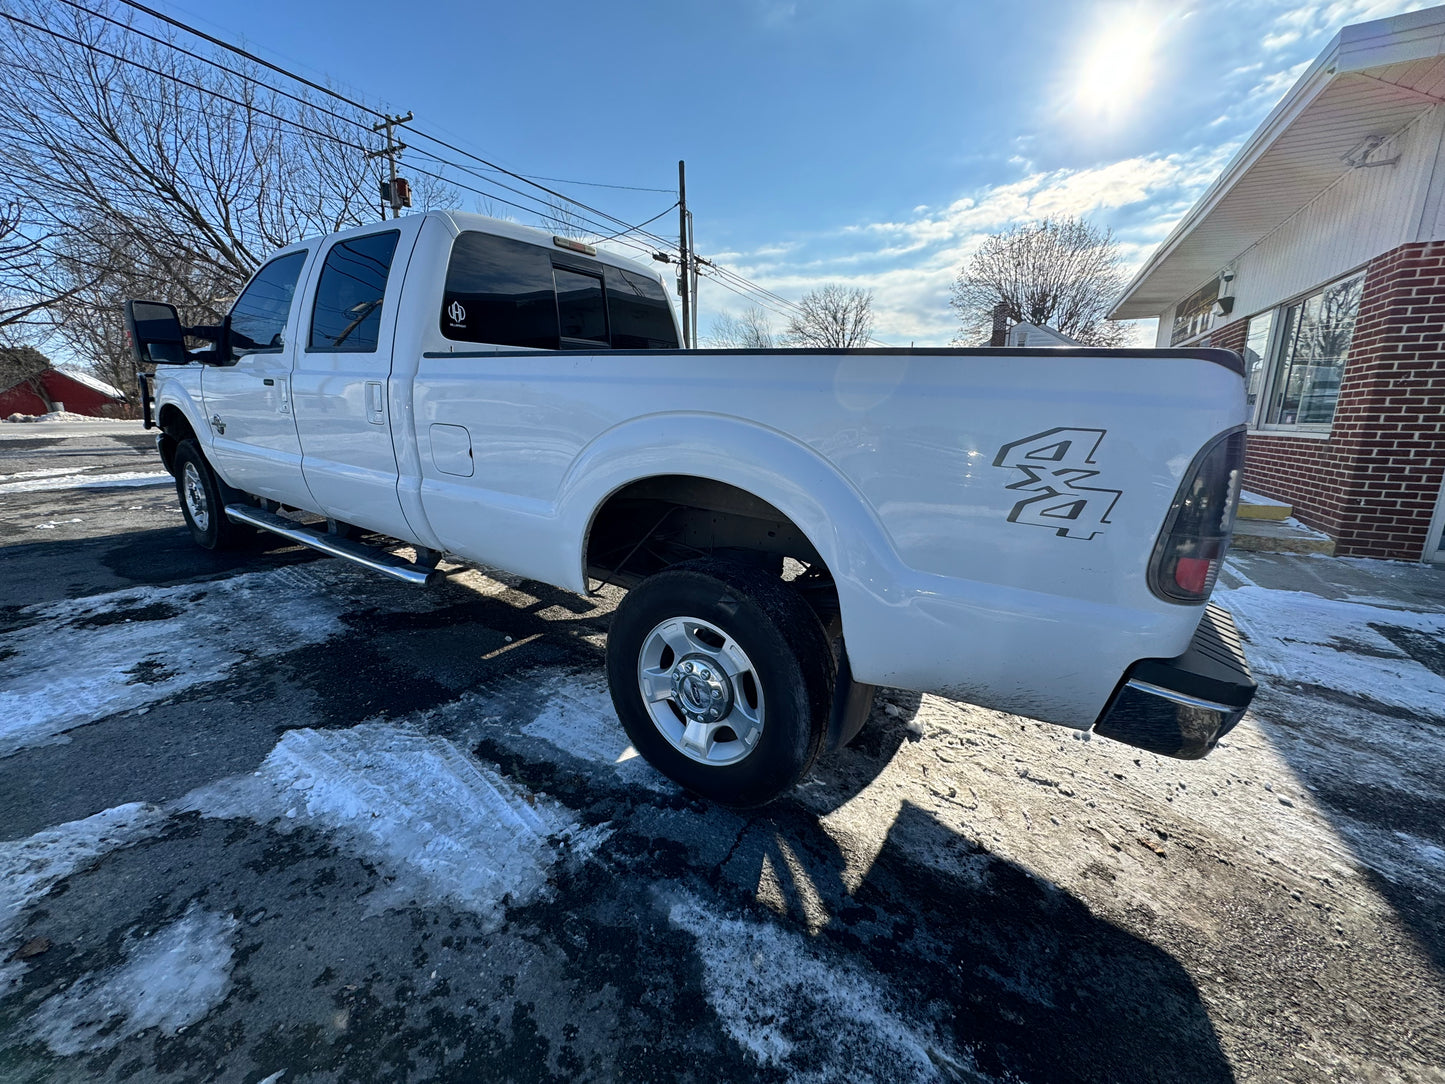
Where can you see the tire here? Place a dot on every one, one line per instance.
(203, 499)
(739, 653)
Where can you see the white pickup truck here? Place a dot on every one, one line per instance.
(1033, 531)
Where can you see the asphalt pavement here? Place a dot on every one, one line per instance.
(264, 817)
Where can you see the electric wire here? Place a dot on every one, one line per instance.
(731, 280)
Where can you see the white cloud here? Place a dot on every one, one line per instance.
(910, 263)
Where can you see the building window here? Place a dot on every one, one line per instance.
(1310, 353)
(1193, 314)
(1256, 351)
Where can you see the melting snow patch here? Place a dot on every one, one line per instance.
(579, 720)
(169, 980)
(779, 999)
(1301, 637)
(448, 829)
(71, 480)
(30, 867)
(84, 659)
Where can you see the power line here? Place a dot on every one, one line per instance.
(250, 56)
(177, 79)
(628, 227)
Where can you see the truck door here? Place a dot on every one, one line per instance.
(339, 389)
(247, 398)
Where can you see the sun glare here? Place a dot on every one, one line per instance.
(1116, 67)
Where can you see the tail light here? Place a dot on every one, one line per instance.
(1196, 533)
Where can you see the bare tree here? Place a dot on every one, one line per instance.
(563, 220)
(838, 317)
(750, 331)
(1062, 272)
(150, 173)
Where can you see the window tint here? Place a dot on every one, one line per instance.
(641, 314)
(499, 291)
(258, 318)
(347, 315)
(581, 310)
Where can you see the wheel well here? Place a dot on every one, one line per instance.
(174, 429)
(654, 523)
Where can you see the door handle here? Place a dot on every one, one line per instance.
(375, 406)
(269, 382)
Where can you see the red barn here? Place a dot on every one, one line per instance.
(80, 392)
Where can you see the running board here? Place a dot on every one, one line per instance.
(372, 557)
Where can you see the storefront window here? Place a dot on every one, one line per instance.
(1193, 314)
(1314, 343)
(1256, 350)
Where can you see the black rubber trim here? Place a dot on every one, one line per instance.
(1227, 358)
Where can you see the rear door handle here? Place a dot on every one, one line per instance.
(375, 406)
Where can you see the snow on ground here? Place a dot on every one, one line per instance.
(127, 649)
(1303, 638)
(71, 480)
(784, 1003)
(450, 830)
(578, 718)
(30, 867)
(169, 980)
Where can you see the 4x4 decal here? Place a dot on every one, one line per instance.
(1054, 463)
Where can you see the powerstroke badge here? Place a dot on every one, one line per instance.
(1054, 464)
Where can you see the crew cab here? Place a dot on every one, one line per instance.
(1033, 531)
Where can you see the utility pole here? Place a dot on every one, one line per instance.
(696, 261)
(684, 262)
(390, 151)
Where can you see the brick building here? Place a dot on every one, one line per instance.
(1319, 254)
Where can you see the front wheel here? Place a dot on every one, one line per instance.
(722, 677)
(203, 500)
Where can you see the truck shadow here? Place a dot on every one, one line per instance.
(946, 941)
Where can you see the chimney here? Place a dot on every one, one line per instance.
(1000, 325)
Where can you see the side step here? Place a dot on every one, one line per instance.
(372, 557)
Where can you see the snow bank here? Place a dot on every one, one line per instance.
(84, 659)
(449, 830)
(169, 980)
(1302, 638)
(54, 480)
(30, 867)
(783, 1003)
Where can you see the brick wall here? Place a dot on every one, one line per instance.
(1372, 484)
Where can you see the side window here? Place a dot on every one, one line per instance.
(499, 291)
(258, 318)
(347, 315)
(581, 310)
(641, 314)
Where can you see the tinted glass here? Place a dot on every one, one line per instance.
(348, 297)
(499, 291)
(641, 314)
(258, 318)
(581, 310)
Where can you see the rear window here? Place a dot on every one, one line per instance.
(510, 293)
(641, 313)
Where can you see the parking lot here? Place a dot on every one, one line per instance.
(265, 817)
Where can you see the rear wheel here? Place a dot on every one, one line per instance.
(203, 500)
(723, 679)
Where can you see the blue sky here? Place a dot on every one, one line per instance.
(870, 144)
